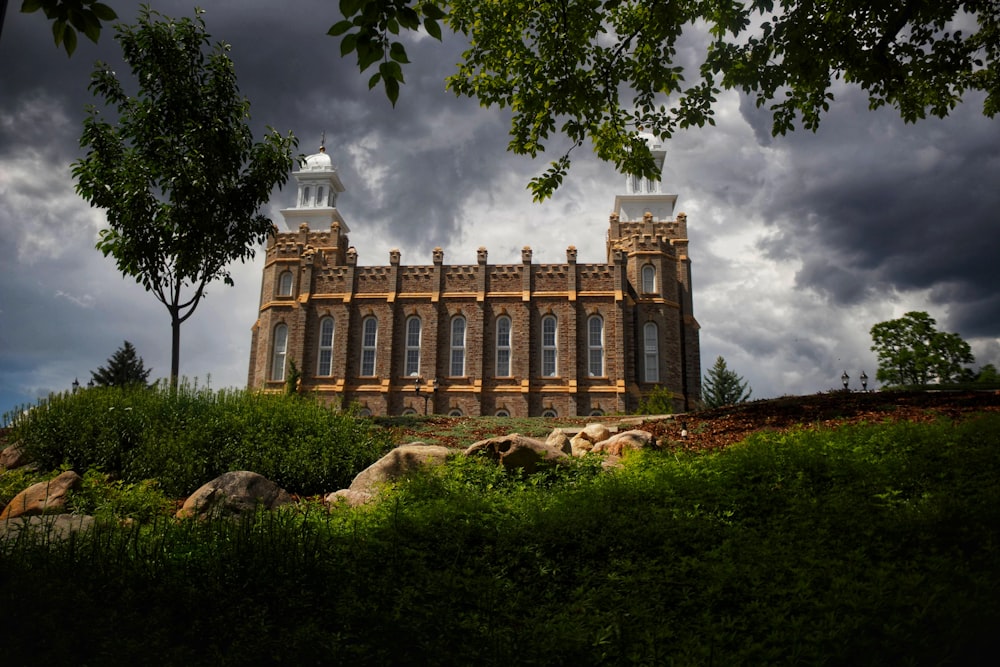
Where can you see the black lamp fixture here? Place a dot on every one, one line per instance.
(76, 385)
(845, 378)
(864, 381)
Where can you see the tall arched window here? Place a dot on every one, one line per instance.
(285, 284)
(319, 196)
(457, 346)
(413, 346)
(595, 346)
(306, 194)
(503, 346)
(550, 349)
(279, 350)
(369, 340)
(324, 366)
(648, 279)
(651, 352)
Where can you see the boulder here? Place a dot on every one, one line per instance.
(516, 451)
(13, 457)
(234, 493)
(596, 432)
(559, 440)
(581, 444)
(619, 443)
(398, 463)
(51, 526)
(350, 498)
(43, 497)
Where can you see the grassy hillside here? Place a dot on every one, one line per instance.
(875, 542)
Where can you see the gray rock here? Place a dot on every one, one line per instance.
(516, 451)
(234, 493)
(559, 440)
(51, 526)
(400, 462)
(619, 443)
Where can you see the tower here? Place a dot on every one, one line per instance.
(316, 200)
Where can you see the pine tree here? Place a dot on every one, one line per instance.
(723, 386)
(125, 367)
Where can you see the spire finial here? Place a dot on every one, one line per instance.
(322, 142)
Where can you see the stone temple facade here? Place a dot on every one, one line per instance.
(479, 339)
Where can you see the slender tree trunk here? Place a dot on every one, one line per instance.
(175, 348)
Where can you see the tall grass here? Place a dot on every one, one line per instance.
(868, 545)
(186, 437)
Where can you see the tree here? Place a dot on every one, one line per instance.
(988, 375)
(124, 368)
(723, 386)
(911, 351)
(567, 68)
(179, 174)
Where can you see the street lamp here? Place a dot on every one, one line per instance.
(864, 381)
(76, 385)
(845, 378)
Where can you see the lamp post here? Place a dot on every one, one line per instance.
(416, 389)
(76, 385)
(845, 378)
(864, 381)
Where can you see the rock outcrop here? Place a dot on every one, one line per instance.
(516, 451)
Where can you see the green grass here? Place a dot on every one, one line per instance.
(867, 545)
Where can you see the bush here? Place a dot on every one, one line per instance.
(186, 437)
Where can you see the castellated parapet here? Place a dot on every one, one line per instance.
(516, 339)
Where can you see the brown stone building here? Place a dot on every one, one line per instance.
(480, 339)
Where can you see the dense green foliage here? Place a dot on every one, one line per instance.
(659, 401)
(177, 171)
(68, 16)
(868, 545)
(912, 352)
(723, 386)
(187, 437)
(125, 367)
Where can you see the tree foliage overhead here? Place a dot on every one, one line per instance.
(68, 16)
(911, 351)
(601, 70)
(723, 386)
(125, 367)
(178, 173)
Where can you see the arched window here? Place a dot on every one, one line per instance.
(413, 346)
(409, 412)
(279, 350)
(651, 352)
(597, 412)
(285, 284)
(595, 346)
(319, 196)
(364, 412)
(549, 413)
(369, 339)
(636, 184)
(458, 346)
(324, 365)
(502, 413)
(306, 194)
(648, 279)
(455, 412)
(503, 346)
(550, 349)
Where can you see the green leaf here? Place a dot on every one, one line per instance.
(372, 82)
(432, 28)
(29, 6)
(348, 44)
(392, 90)
(103, 12)
(340, 28)
(398, 53)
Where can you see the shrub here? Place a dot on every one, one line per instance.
(187, 436)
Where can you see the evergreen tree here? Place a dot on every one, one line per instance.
(723, 386)
(125, 367)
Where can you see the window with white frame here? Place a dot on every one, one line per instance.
(549, 413)
(457, 346)
(550, 347)
(319, 196)
(648, 279)
(595, 346)
(413, 346)
(503, 346)
(285, 283)
(324, 365)
(502, 413)
(369, 340)
(306, 194)
(651, 352)
(279, 350)
(454, 412)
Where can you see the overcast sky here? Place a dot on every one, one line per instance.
(799, 244)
